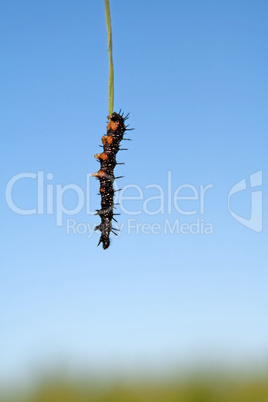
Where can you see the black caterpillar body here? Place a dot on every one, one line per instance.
(111, 142)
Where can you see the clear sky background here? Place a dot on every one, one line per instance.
(193, 76)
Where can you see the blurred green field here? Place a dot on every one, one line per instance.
(191, 390)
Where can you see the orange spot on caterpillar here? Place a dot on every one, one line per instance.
(107, 139)
(104, 139)
(102, 190)
(99, 174)
(113, 125)
(103, 156)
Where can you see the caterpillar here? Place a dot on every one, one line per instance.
(110, 142)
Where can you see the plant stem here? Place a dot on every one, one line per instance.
(110, 50)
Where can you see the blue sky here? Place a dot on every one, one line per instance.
(193, 76)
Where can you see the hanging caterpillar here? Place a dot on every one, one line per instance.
(111, 142)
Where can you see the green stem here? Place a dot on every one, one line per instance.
(110, 51)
